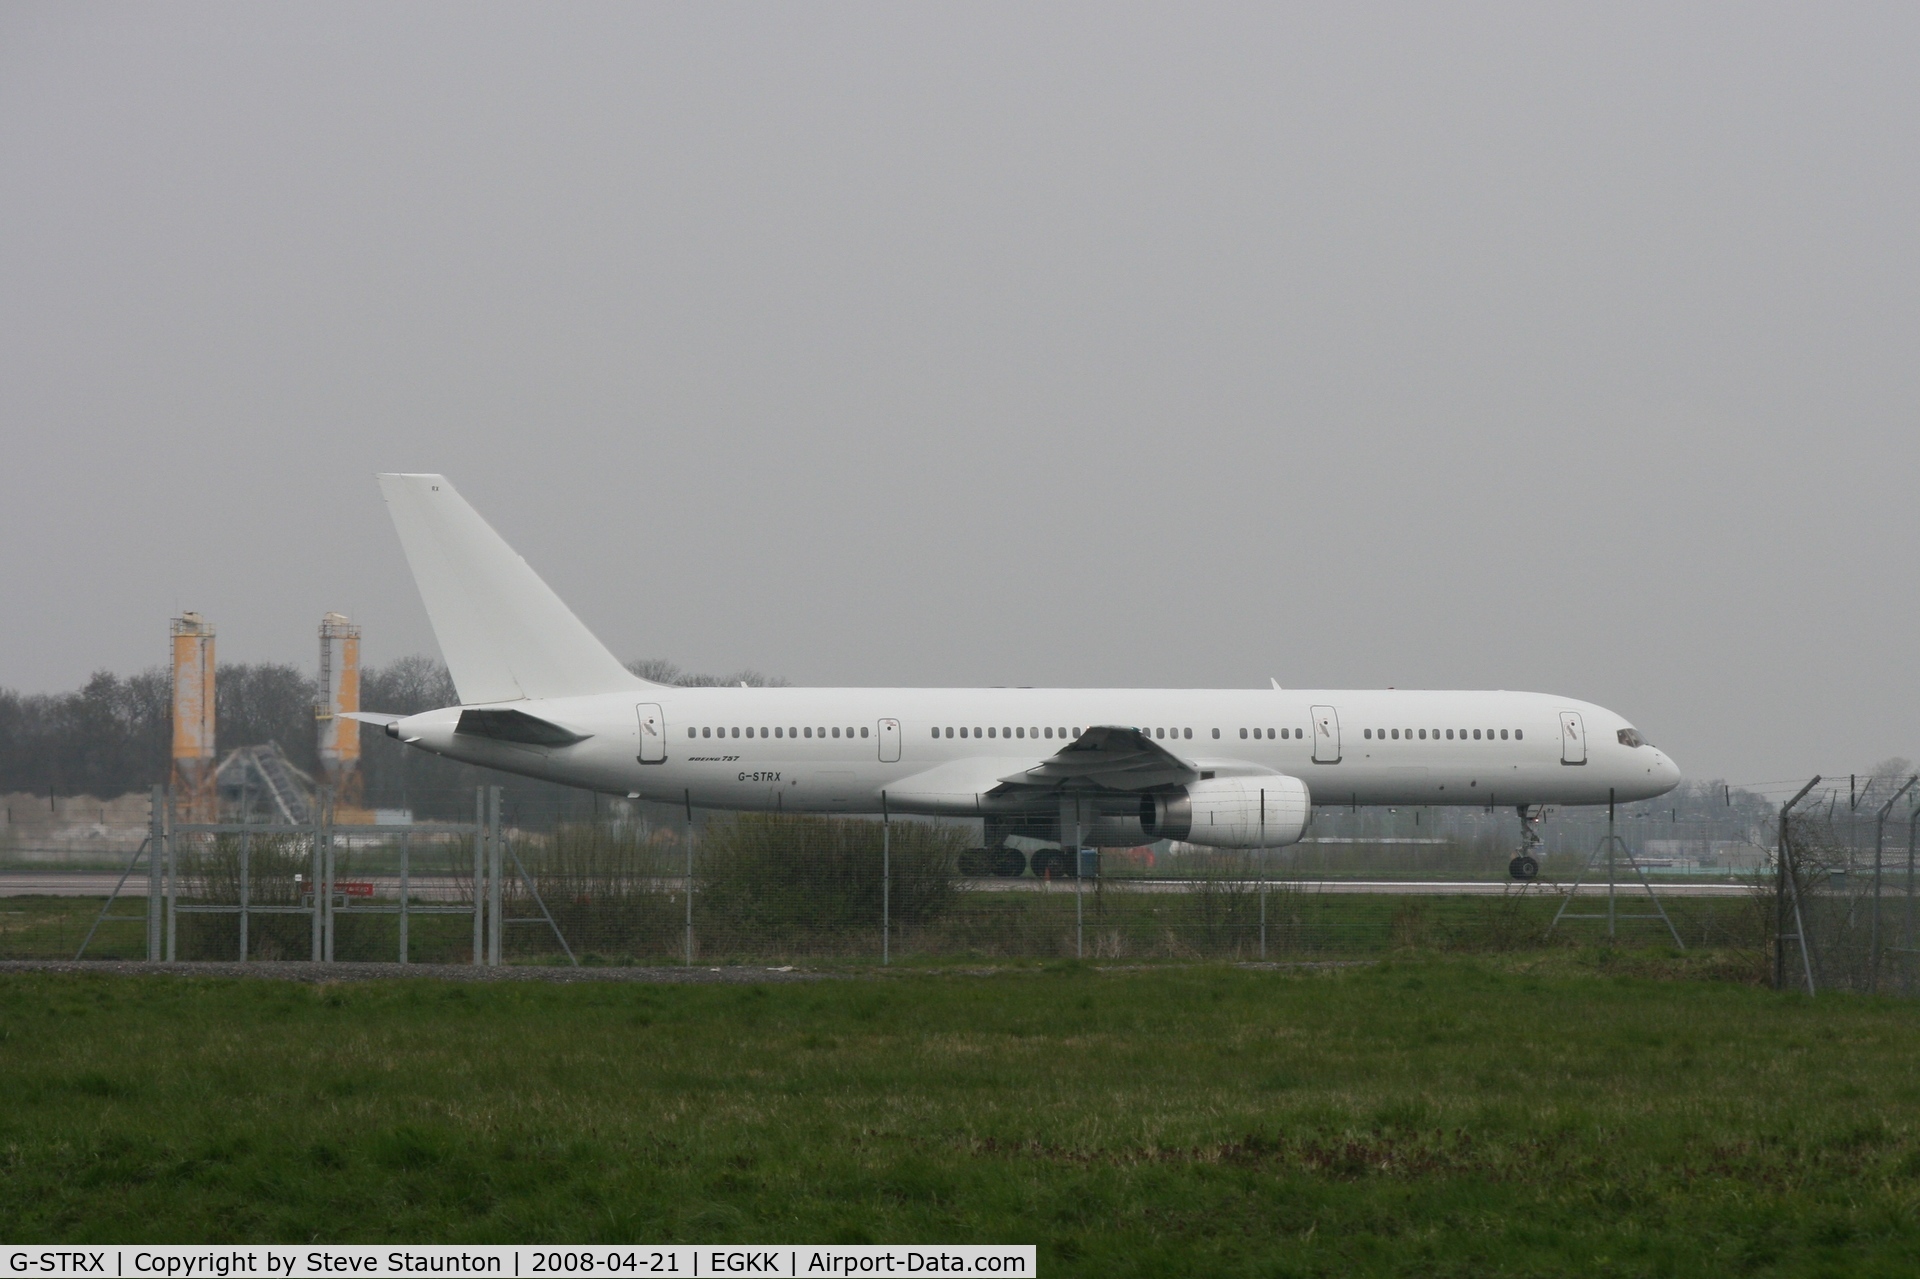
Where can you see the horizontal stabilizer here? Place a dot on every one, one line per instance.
(517, 727)
(504, 633)
(380, 718)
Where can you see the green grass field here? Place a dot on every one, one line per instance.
(1576, 1113)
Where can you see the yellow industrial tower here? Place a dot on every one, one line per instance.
(339, 696)
(194, 797)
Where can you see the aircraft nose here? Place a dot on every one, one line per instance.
(1666, 771)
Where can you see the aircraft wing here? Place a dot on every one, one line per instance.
(1112, 757)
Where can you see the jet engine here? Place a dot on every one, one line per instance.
(1229, 812)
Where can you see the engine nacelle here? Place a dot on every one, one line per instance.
(1229, 812)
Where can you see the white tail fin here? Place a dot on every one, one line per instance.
(503, 631)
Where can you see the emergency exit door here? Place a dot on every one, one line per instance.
(653, 734)
(889, 741)
(1326, 735)
(1573, 738)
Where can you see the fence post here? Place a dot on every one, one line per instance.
(886, 883)
(1612, 843)
(689, 893)
(1079, 906)
(173, 885)
(1906, 931)
(495, 873)
(406, 848)
(1873, 924)
(332, 865)
(480, 876)
(1783, 890)
(246, 850)
(157, 836)
(1263, 872)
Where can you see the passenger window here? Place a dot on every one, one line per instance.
(1216, 734)
(863, 732)
(1449, 734)
(836, 731)
(1243, 734)
(989, 732)
(1396, 734)
(1187, 733)
(1518, 734)
(693, 732)
(1367, 733)
(1476, 734)
(1503, 734)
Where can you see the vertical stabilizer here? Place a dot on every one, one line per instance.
(504, 633)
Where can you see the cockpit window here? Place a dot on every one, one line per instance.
(1631, 737)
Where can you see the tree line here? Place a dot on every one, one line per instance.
(114, 734)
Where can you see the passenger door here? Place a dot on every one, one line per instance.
(1326, 735)
(889, 741)
(1573, 738)
(653, 734)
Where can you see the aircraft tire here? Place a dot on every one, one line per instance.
(1051, 863)
(1009, 863)
(1523, 868)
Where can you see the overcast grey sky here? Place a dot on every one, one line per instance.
(1447, 346)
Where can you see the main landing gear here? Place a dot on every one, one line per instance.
(1525, 866)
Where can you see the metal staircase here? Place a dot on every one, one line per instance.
(263, 775)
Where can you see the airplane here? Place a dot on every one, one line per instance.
(540, 696)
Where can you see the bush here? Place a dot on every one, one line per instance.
(765, 878)
(614, 891)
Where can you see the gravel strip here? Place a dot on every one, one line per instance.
(308, 972)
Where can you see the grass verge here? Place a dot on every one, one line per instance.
(1573, 1113)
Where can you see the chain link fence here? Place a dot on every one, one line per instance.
(1847, 913)
(620, 883)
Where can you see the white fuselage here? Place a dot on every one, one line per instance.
(944, 751)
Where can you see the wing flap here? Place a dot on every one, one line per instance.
(1110, 756)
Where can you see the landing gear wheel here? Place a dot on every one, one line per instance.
(1049, 863)
(1523, 868)
(1009, 863)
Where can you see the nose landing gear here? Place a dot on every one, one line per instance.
(1525, 866)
